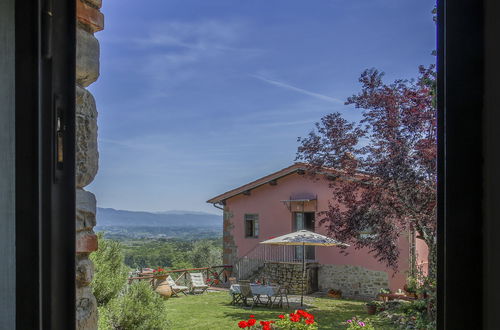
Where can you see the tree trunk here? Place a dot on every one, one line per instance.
(432, 258)
(431, 275)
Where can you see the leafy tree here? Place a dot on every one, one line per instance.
(206, 254)
(139, 308)
(390, 156)
(110, 271)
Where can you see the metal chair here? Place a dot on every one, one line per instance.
(280, 295)
(246, 293)
(237, 297)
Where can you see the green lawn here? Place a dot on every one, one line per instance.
(213, 310)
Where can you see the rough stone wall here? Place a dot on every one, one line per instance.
(354, 281)
(289, 275)
(90, 20)
(229, 248)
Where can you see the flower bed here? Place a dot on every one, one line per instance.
(298, 320)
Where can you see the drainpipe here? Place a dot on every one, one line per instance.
(216, 206)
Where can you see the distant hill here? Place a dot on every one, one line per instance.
(122, 218)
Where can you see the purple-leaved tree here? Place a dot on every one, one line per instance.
(390, 158)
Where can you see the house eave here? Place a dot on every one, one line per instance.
(272, 178)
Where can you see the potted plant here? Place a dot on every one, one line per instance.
(334, 293)
(411, 286)
(371, 307)
(160, 274)
(382, 294)
(161, 286)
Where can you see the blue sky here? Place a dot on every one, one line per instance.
(197, 97)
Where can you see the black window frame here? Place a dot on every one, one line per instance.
(45, 51)
(312, 222)
(253, 221)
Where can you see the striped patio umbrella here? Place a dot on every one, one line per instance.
(303, 238)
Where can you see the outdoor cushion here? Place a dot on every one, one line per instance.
(174, 286)
(197, 282)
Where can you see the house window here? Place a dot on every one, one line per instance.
(251, 225)
(304, 220)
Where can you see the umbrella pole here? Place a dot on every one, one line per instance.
(303, 273)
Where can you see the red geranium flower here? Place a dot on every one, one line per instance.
(309, 321)
(294, 317)
(281, 316)
(303, 313)
(252, 315)
(266, 325)
(243, 324)
(251, 322)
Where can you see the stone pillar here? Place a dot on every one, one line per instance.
(229, 247)
(90, 20)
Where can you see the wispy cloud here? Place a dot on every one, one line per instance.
(207, 36)
(177, 52)
(288, 123)
(297, 89)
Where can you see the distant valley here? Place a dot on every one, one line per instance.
(122, 224)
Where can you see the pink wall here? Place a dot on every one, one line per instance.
(275, 220)
(422, 252)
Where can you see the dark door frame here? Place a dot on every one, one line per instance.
(45, 164)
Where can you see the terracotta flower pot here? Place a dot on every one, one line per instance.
(162, 287)
(335, 295)
(371, 309)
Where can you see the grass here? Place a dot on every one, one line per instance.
(212, 310)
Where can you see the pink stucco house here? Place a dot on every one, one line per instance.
(286, 201)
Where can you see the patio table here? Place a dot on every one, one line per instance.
(257, 291)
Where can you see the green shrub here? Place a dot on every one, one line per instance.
(110, 273)
(139, 308)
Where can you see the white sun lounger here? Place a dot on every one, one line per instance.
(197, 283)
(176, 288)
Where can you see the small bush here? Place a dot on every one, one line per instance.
(357, 323)
(110, 272)
(139, 308)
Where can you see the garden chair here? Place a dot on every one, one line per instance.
(197, 283)
(176, 288)
(246, 293)
(237, 297)
(279, 296)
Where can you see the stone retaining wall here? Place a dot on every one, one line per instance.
(354, 281)
(289, 275)
(90, 20)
